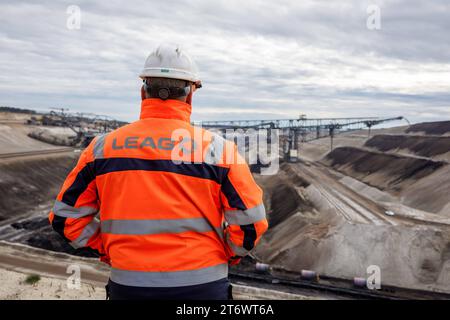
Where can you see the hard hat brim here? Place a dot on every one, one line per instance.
(168, 73)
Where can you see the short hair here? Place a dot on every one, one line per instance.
(166, 82)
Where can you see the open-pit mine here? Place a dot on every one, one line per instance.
(378, 200)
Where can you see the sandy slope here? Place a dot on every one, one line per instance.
(19, 261)
(25, 183)
(14, 288)
(330, 227)
(408, 257)
(14, 138)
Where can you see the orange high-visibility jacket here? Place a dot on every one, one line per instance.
(161, 203)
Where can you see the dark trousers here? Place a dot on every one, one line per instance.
(216, 290)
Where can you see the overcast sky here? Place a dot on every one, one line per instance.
(257, 59)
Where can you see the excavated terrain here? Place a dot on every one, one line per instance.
(413, 165)
(28, 188)
(326, 212)
(424, 146)
(26, 183)
(306, 233)
(380, 169)
(29, 185)
(405, 168)
(14, 138)
(430, 128)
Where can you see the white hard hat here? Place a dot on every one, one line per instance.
(170, 61)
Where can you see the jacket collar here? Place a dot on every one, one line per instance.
(167, 109)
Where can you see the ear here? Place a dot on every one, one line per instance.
(189, 97)
(143, 94)
(197, 85)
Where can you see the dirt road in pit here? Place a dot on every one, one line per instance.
(31, 260)
(14, 155)
(351, 205)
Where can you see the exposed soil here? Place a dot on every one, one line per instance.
(415, 257)
(324, 216)
(436, 128)
(25, 183)
(37, 232)
(14, 287)
(421, 183)
(17, 262)
(425, 146)
(282, 198)
(384, 171)
(14, 138)
(350, 190)
(431, 193)
(408, 257)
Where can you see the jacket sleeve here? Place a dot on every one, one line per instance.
(77, 204)
(244, 210)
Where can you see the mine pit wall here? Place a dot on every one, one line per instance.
(424, 146)
(28, 188)
(301, 234)
(431, 193)
(430, 128)
(27, 182)
(407, 257)
(305, 234)
(421, 183)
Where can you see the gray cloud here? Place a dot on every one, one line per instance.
(258, 59)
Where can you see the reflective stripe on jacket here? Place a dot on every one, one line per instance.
(160, 222)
